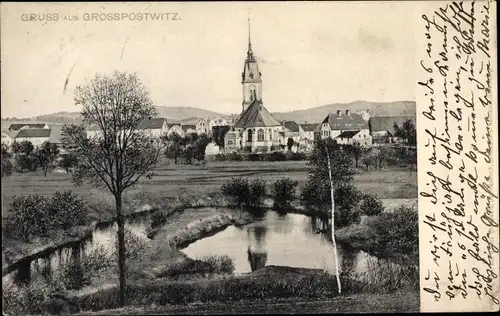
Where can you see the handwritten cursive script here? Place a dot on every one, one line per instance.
(458, 199)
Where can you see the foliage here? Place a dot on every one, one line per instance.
(289, 143)
(26, 147)
(135, 245)
(368, 161)
(16, 147)
(257, 193)
(26, 163)
(347, 198)
(120, 153)
(173, 147)
(208, 264)
(407, 131)
(34, 215)
(237, 190)
(68, 162)
(200, 146)
(356, 150)
(218, 134)
(396, 232)
(317, 189)
(6, 164)
(46, 155)
(283, 192)
(371, 205)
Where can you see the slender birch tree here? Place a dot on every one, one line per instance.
(329, 167)
(117, 154)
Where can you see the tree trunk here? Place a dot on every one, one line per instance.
(121, 248)
(333, 222)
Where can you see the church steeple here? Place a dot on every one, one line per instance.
(251, 77)
(250, 55)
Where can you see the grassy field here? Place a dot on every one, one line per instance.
(177, 180)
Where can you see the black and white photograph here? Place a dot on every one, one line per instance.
(221, 158)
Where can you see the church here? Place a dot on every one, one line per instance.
(255, 129)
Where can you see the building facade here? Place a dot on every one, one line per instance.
(335, 124)
(382, 128)
(37, 136)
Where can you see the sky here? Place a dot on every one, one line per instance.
(309, 53)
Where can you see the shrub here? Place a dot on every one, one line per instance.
(283, 192)
(275, 156)
(237, 190)
(66, 210)
(371, 205)
(234, 156)
(26, 163)
(134, 245)
(26, 218)
(396, 232)
(221, 157)
(159, 218)
(253, 157)
(347, 197)
(257, 193)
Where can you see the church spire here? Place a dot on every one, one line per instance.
(249, 52)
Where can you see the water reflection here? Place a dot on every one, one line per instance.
(46, 266)
(257, 259)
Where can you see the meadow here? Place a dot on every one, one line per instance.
(199, 181)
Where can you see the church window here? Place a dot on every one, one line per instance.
(260, 135)
(270, 134)
(250, 134)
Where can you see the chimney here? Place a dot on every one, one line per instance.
(339, 113)
(283, 122)
(347, 112)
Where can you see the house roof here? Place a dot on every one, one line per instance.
(155, 123)
(309, 127)
(11, 134)
(186, 127)
(256, 115)
(344, 121)
(386, 123)
(34, 132)
(347, 134)
(17, 127)
(291, 126)
(55, 134)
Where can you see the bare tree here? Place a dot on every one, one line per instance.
(119, 154)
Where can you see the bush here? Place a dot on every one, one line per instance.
(134, 245)
(159, 218)
(28, 299)
(283, 192)
(26, 163)
(253, 157)
(66, 210)
(275, 156)
(237, 190)
(257, 193)
(396, 232)
(243, 193)
(234, 156)
(26, 218)
(371, 205)
(7, 167)
(221, 157)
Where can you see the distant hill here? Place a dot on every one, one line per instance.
(190, 115)
(317, 114)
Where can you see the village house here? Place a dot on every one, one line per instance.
(18, 127)
(256, 129)
(204, 126)
(175, 128)
(156, 127)
(382, 128)
(188, 128)
(309, 131)
(292, 130)
(37, 136)
(8, 137)
(335, 124)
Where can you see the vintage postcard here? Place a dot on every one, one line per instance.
(251, 157)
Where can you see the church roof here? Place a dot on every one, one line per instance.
(256, 115)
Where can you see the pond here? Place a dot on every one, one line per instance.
(286, 240)
(103, 235)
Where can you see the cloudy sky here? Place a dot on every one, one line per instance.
(309, 53)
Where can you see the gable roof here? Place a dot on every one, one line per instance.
(309, 127)
(155, 123)
(344, 121)
(386, 123)
(34, 132)
(185, 128)
(17, 127)
(291, 126)
(11, 134)
(55, 134)
(256, 115)
(347, 134)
